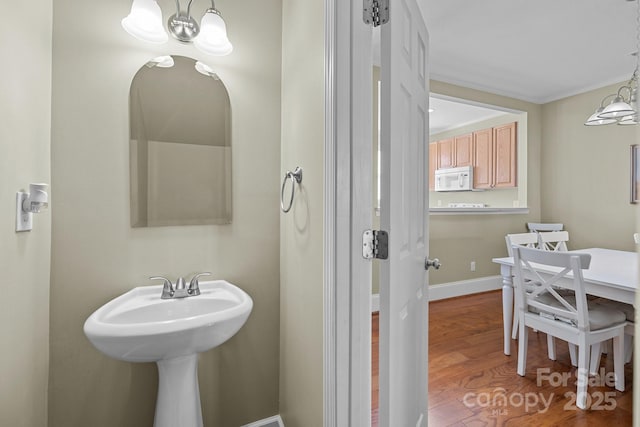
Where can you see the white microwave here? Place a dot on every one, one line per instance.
(454, 179)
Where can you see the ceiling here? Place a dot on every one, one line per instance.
(538, 51)
(449, 114)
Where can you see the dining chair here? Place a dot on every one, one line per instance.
(553, 240)
(629, 333)
(636, 238)
(529, 240)
(566, 318)
(536, 227)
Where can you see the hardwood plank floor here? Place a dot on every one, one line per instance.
(472, 383)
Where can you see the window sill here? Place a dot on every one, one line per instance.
(478, 211)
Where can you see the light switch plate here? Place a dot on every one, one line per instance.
(24, 220)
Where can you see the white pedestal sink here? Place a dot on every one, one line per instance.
(139, 326)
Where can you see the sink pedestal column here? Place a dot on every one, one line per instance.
(178, 393)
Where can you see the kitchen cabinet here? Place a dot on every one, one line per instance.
(491, 152)
(454, 152)
(483, 158)
(505, 155)
(494, 159)
(463, 150)
(446, 153)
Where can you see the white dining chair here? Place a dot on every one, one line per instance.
(536, 227)
(566, 318)
(629, 333)
(529, 240)
(636, 238)
(555, 241)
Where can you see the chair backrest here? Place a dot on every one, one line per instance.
(553, 306)
(529, 240)
(536, 227)
(555, 241)
(636, 238)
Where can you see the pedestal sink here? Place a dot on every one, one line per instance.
(139, 326)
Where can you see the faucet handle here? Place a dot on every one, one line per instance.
(194, 285)
(167, 289)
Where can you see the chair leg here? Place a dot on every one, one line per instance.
(514, 330)
(551, 347)
(628, 348)
(522, 348)
(583, 369)
(595, 358)
(573, 354)
(618, 360)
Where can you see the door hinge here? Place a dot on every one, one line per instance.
(375, 244)
(375, 12)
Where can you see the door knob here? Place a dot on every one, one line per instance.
(435, 263)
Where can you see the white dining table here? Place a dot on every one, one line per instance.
(612, 274)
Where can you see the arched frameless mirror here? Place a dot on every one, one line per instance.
(180, 144)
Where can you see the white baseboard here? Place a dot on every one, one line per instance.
(267, 422)
(453, 289)
(464, 287)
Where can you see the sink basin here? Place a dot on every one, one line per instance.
(139, 326)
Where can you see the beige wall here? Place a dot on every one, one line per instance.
(459, 239)
(301, 230)
(586, 173)
(25, 108)
(96, 255)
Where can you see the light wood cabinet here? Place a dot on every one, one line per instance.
(449, 153)
(505, 156)
(494, 159)
(491, 152)
(446, 153)
(483, 158)
(463, 150)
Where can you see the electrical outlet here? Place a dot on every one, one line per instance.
(473, 266)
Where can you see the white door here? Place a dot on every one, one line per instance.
(404, 215)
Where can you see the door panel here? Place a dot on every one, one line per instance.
(404, 207)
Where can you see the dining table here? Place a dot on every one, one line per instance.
(612, 274)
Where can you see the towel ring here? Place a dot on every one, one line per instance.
(295, 176)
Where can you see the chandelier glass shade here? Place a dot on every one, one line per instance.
(145, 23)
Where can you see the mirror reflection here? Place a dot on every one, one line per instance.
(180, 144)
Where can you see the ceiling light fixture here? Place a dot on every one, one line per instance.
(621, 110)
(144, 22)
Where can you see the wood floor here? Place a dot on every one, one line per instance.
(472, 383)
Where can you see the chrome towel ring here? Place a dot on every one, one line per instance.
(295, 177)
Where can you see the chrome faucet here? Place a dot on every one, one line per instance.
(180, 290)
